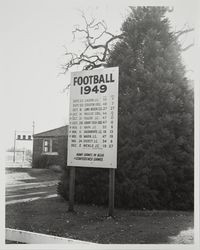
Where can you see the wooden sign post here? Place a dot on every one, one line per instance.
(71, 188)
(111, 191)
(93, 120)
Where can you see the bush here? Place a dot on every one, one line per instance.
(86, 190)
(91, 187)
(41, 162)
(45, 161)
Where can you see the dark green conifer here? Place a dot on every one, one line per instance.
(155, 136)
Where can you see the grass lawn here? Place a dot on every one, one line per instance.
(90, 223)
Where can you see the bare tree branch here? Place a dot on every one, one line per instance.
(181, 32)
(187, 47)
(95, 51)
(97, 43)
(185, 30)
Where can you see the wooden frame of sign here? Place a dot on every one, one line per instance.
(93, 119)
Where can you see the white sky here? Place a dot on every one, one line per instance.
(32, 34)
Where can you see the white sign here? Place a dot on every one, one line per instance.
(92, 137)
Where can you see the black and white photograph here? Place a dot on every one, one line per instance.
(100, 125)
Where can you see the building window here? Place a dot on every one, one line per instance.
(29, 137)
(47, 145)
(24, 137)
(19, 137)
(50, 146)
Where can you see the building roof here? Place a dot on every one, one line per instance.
(61, 131)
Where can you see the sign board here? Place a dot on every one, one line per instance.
(92, 136)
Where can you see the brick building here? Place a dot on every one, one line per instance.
(50, 148)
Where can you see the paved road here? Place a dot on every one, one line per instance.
(23, 185)
(184, 237)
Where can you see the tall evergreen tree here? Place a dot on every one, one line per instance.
(155, 113)
(155, 136)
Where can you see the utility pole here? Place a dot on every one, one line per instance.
(33, 127)
(14, 146)
(33, 141)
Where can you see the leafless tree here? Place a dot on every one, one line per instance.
(97, 43)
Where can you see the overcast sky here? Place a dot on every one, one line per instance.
(33, 34)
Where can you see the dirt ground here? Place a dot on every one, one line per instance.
(48, 214)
